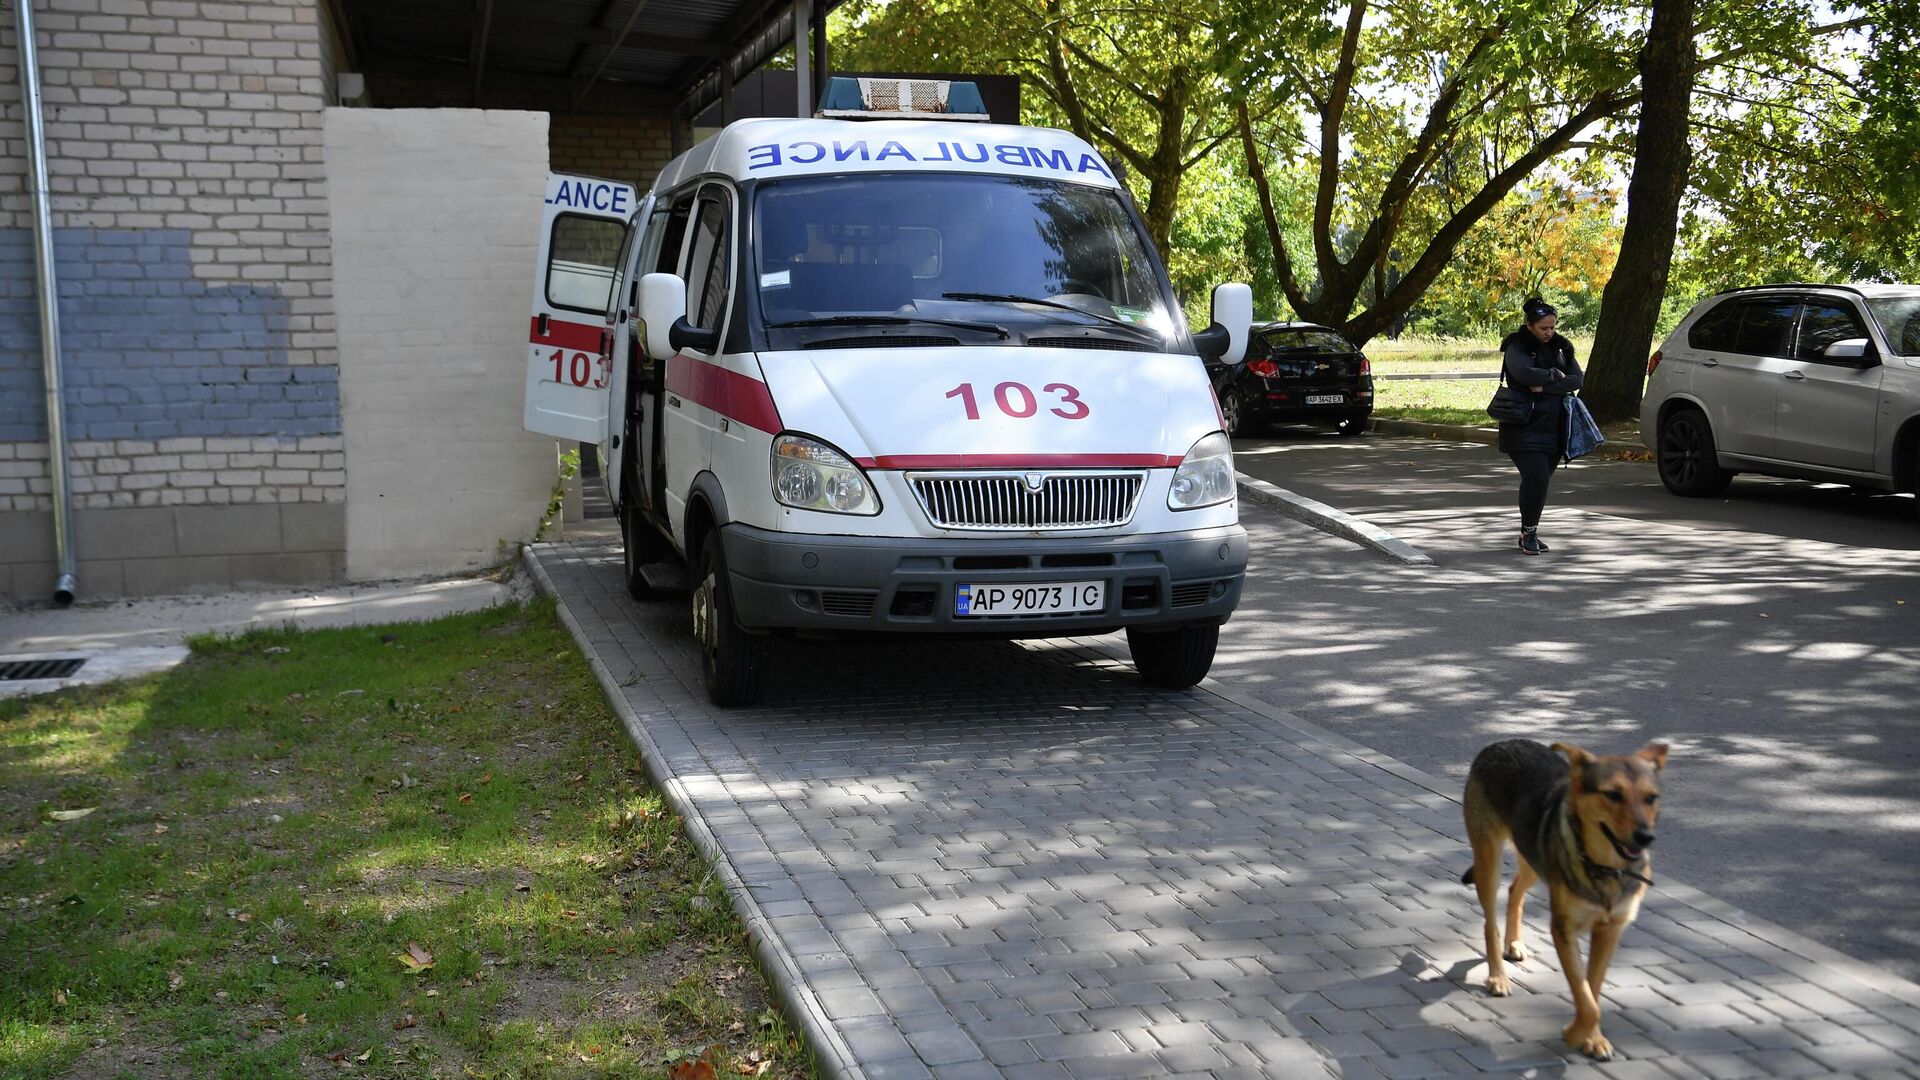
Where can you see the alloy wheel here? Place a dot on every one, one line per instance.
(1680, 451)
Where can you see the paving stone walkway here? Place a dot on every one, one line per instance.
(1013, 859)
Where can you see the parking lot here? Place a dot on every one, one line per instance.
(1764, 634)
(1013, 859)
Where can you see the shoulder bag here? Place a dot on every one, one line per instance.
(1510, 404)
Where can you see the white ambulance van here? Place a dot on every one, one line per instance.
(906, 376)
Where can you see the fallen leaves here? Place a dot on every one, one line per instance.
(70, 815)
(405, 1022)
(416, 959)
(699, 1069)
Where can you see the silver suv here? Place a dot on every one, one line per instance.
(1815, 382)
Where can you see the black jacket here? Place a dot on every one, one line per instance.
(1530, 362)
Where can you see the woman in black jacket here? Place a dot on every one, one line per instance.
(1538, 359)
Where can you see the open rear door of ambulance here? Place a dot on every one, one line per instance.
(569, 366)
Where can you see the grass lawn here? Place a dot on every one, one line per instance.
(1464, 401)
(1410, 355)
(401, 851)
(1435, 401)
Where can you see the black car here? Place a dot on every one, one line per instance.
(1297, 372)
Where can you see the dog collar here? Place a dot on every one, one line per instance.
(1615, 871)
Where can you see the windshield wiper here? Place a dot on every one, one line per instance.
(889, 320)
(1007, 298)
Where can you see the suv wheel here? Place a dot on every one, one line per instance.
(1687, 460)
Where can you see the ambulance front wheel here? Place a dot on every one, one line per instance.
(735, 661)
(1175, 659)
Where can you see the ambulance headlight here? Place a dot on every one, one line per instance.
(811, 475)
(1205, 476)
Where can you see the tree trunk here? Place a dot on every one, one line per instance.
(1163, 200)
(1662, 159)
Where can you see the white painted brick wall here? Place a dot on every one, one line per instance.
(179, 472)
(194, 116)
(435, 227)
(180, 115)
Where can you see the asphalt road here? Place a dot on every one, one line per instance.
(1771, 636)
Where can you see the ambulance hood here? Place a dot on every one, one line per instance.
(995, 407)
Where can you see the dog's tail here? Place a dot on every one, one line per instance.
(1467, 878)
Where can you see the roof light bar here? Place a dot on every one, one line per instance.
(850, 98)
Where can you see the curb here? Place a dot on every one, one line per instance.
(1490, 436)
(830, 1052)
(1329, 520)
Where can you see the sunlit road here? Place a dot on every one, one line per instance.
(1773, 637)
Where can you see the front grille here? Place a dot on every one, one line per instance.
(59, 667)
(1191, 593)
(882, 341)
(847, 603)
(1067, 500)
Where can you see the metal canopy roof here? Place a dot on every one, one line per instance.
(564, 55)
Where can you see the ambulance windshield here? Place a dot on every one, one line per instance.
(953, 247)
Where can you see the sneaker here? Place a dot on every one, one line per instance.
(1530, 544)
(1541, 543)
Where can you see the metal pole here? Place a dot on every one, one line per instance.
(802, 75)
(820, 63)
(38, 188)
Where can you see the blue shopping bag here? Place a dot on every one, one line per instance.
(1582, 433)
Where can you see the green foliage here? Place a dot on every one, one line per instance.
(1550, 239)
(1147, 83)
(569, 468)
(1455, 190)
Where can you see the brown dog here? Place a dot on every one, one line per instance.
(1583, 823)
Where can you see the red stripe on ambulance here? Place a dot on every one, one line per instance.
(568, 335)
(1019, 461)
(733, 395)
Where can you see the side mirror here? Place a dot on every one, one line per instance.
(684, 335)
(1226, 339)
(1856, 349)
(663, 302)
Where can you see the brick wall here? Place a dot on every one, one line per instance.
(436, 225)
(629, 148)
(191, 235)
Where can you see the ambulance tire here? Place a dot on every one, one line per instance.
(641, 544)
(1175, 659)
(735, 662)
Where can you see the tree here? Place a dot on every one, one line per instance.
(1421, 117)
(1497, 92)
(1662, 155)
(1555, 238)
(1765, 128)
(1145, 83)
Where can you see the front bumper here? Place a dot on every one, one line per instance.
(851, 583)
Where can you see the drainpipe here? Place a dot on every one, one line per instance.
(64, 585)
